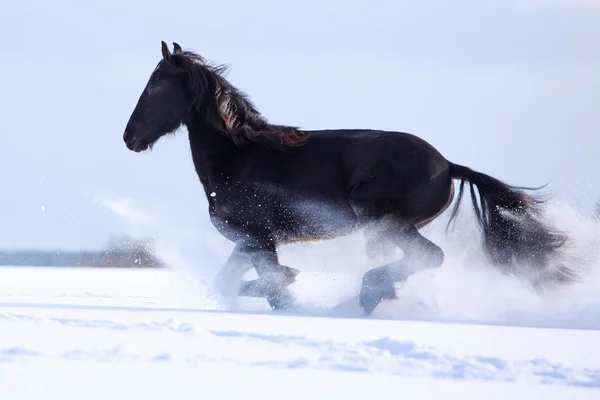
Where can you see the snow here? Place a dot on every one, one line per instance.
(123, 333)
(462, 331)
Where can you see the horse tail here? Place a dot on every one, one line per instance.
(515, 238)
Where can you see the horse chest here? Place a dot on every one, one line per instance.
(240, 206)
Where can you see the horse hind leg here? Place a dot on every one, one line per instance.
(419, 254)
(377, 243)
(421, 224)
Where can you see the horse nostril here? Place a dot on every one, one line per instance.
(129, 139)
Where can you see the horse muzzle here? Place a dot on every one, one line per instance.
(133, 142)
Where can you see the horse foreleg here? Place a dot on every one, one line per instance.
(419, 254)
(259, 287)
(273, 277)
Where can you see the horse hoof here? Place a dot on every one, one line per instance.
(368, 304)
(377, 287)
(282, 301)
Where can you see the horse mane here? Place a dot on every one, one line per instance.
(231, 112)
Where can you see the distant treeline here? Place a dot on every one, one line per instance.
(122, 253)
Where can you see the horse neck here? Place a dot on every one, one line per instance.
(212, 153)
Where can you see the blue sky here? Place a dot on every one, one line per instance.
(511, 88)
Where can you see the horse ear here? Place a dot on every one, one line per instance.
(166, 53)
(176, 48)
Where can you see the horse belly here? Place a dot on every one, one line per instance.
(313, 221)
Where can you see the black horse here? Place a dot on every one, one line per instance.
(268, 184)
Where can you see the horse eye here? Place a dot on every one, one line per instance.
(151, 88)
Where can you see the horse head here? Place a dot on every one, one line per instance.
(161, 106)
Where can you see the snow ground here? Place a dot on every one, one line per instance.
(461, 331)
(94, 333)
